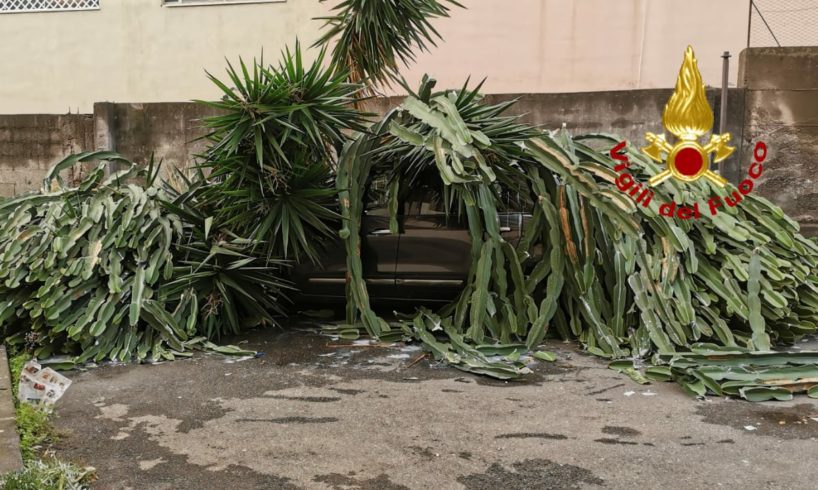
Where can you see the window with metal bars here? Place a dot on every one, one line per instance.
(14, 6)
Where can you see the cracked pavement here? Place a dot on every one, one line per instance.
(312, 413)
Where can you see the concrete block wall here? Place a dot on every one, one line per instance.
(781, 108)
(170, 132)
(31, 143)
(777, 101)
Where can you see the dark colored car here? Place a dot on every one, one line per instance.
(428, 260)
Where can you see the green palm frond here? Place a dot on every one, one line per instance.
(273, 150)
(487, 141)
(233, 288)
(373, 36)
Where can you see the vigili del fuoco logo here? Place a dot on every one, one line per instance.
(688, 117)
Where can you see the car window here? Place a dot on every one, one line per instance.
(512, 201)
(377, 198)
(424, 200)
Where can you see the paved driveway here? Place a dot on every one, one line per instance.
(311, 414)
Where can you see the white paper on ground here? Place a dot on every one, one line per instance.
(38, 385)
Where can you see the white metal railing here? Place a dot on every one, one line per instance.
(12, 6)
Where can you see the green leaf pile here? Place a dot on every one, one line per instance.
(85, 270)
(591, 265)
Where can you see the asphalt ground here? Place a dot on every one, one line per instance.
(313, 412)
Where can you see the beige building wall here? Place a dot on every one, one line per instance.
(137, 51)
(140, 51)
(549, 46)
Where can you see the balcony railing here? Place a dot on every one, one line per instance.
(15, 6)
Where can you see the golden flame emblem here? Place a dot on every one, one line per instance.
(688, 116)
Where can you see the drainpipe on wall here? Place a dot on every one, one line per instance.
(725, 72)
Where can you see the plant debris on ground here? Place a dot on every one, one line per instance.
(700, 301)
(105, 270)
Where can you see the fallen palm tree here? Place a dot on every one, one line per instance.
(700, 301)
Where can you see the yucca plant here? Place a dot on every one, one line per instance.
(373, 37)
(273, 151)
(233, 289)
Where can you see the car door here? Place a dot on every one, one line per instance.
(379, 248)
(379, 251)
(434, 253)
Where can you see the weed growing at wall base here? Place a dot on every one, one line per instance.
(36, 432)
